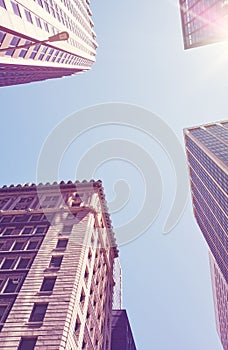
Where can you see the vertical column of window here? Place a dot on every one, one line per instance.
(24, 51)
(35, 51)
(43, 52)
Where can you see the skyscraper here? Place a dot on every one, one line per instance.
(203, 22)
(57, 251)
(207, 154)
(26, 22)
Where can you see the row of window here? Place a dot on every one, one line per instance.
(19, 245)
(28, 230)
(43, 53)
(26, 218)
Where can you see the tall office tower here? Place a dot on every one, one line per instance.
(207, 153)
(57, 251)
(203, 22)
(25, 22)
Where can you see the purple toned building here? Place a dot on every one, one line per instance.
(122, 337)
(57, 251)
(207, 154)
(26, 22)
(203, 21)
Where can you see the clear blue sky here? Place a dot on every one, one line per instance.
(140, 60)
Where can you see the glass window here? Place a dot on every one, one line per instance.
(28, 16)
(62, 243)
(27, 344)
(20, 218)
(3, 309)
(14, 42)
(16, 9)
(44, 49)
(35, 50)
(38, 312)
(8, 231)
(7, 264)
(27, 230)
(40, 229)
(23, 263)
(18, 246)
(36, 217)
(32, 245)
(2, 245)
(56, 261)
(2, 4)
(25, 50)
(38, 22)
(12, 285)
(48, 284)
(6, 219)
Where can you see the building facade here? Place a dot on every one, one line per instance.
(203, 21)
(57, 251)
(122, 337)
(24, 22)
(207, 154)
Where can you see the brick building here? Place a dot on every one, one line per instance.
(57, 251)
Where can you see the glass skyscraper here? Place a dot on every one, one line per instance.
(26, 22)
(207, 152)
(203, 21)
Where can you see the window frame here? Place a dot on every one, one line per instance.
(38, 317)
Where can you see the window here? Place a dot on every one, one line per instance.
(32, 245)
(40, 229)
(7, 264)
(27, 344)
(56, 261)
(20, 218)
(12, 285)
(24, 50)
(48, 284)
(36, 217)
(16, 9)
(38, 312)
(23, 263)
(3, 308)
(6, 219)
(8, 231)
(77, 327)
(28, 16)
(38, 23)
(18, 246)
(62, 243)
(2, 245)
(2, 3)
(34, 52)
(27, 230)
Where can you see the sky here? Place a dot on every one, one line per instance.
(140, 61)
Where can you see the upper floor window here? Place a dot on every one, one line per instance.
(16, 9)
(62, 243)
(2, 4)
(27, 344)
(56, 261)
(48, 284)
(38, 312)
(12, 285)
